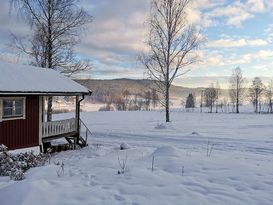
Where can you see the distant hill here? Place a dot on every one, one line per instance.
(117, 86)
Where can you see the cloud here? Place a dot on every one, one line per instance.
(237, 12)
(103, 71)
(197, 12)
(205, 81)
(259, 6)
(208, 4)
(236, 43)
(264, 54)
(202, 81)
(117, 34)
(269, 4)
(261, 67)
(208, 58)
(261, 55)
(268, 32)
(222, 60)
(256, 5)
(10, 23)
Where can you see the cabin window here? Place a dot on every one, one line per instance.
(13, 108)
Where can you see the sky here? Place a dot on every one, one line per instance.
(237, 33)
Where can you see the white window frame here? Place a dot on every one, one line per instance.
(12, 118)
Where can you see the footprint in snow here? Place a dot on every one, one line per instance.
(71, 173)
(92, 180)
(241, 189)
(119, 198)
(233, 178)
(105, 187)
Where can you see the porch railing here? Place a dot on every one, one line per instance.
(59, 127)
(84, 131)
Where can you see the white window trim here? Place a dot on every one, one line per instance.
(12, 118)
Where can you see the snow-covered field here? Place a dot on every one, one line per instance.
(239, 169)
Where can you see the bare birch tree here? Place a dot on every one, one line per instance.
(56, 27)
(269, 95)
(155, 98)
(171, 43)
(218, 95)
(210, 96)
(237, 88)
(201, 100)
(255, 92)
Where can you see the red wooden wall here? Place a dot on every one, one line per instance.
(22, 133)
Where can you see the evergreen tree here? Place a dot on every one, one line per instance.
(190, 103)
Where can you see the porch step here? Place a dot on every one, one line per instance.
(82, 142)
(71, 140)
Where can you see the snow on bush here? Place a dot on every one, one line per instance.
(124, 146)
(15, 165)
(163, 126)
(17, 174)
(166, 151)
(195, 133)
(3, 148)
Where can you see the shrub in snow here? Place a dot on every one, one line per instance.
(107, 107)
(160, 126)
(124, 146)
(3, 148)
(14, 165)
(17, 174)
(163, 126)
(164, 151)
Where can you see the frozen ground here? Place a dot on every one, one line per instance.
(238, 171)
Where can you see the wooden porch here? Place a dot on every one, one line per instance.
(73, 130)
(59, 128)
(66, 129)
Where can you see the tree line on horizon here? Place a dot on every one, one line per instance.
(126, 101)
(258, 94)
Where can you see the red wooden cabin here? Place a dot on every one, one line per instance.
(23, 91)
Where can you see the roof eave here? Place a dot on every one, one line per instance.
(41, 93)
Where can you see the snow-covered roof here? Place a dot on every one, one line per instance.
(17, 79)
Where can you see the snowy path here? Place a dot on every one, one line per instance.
(239, 171)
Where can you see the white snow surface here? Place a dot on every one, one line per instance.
(24, 78)
(238, 172)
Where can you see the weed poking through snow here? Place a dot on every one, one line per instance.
(122, 164)
(210, 147)
(182, 170)
(60, 169)
(153, 161)
(49, 151)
